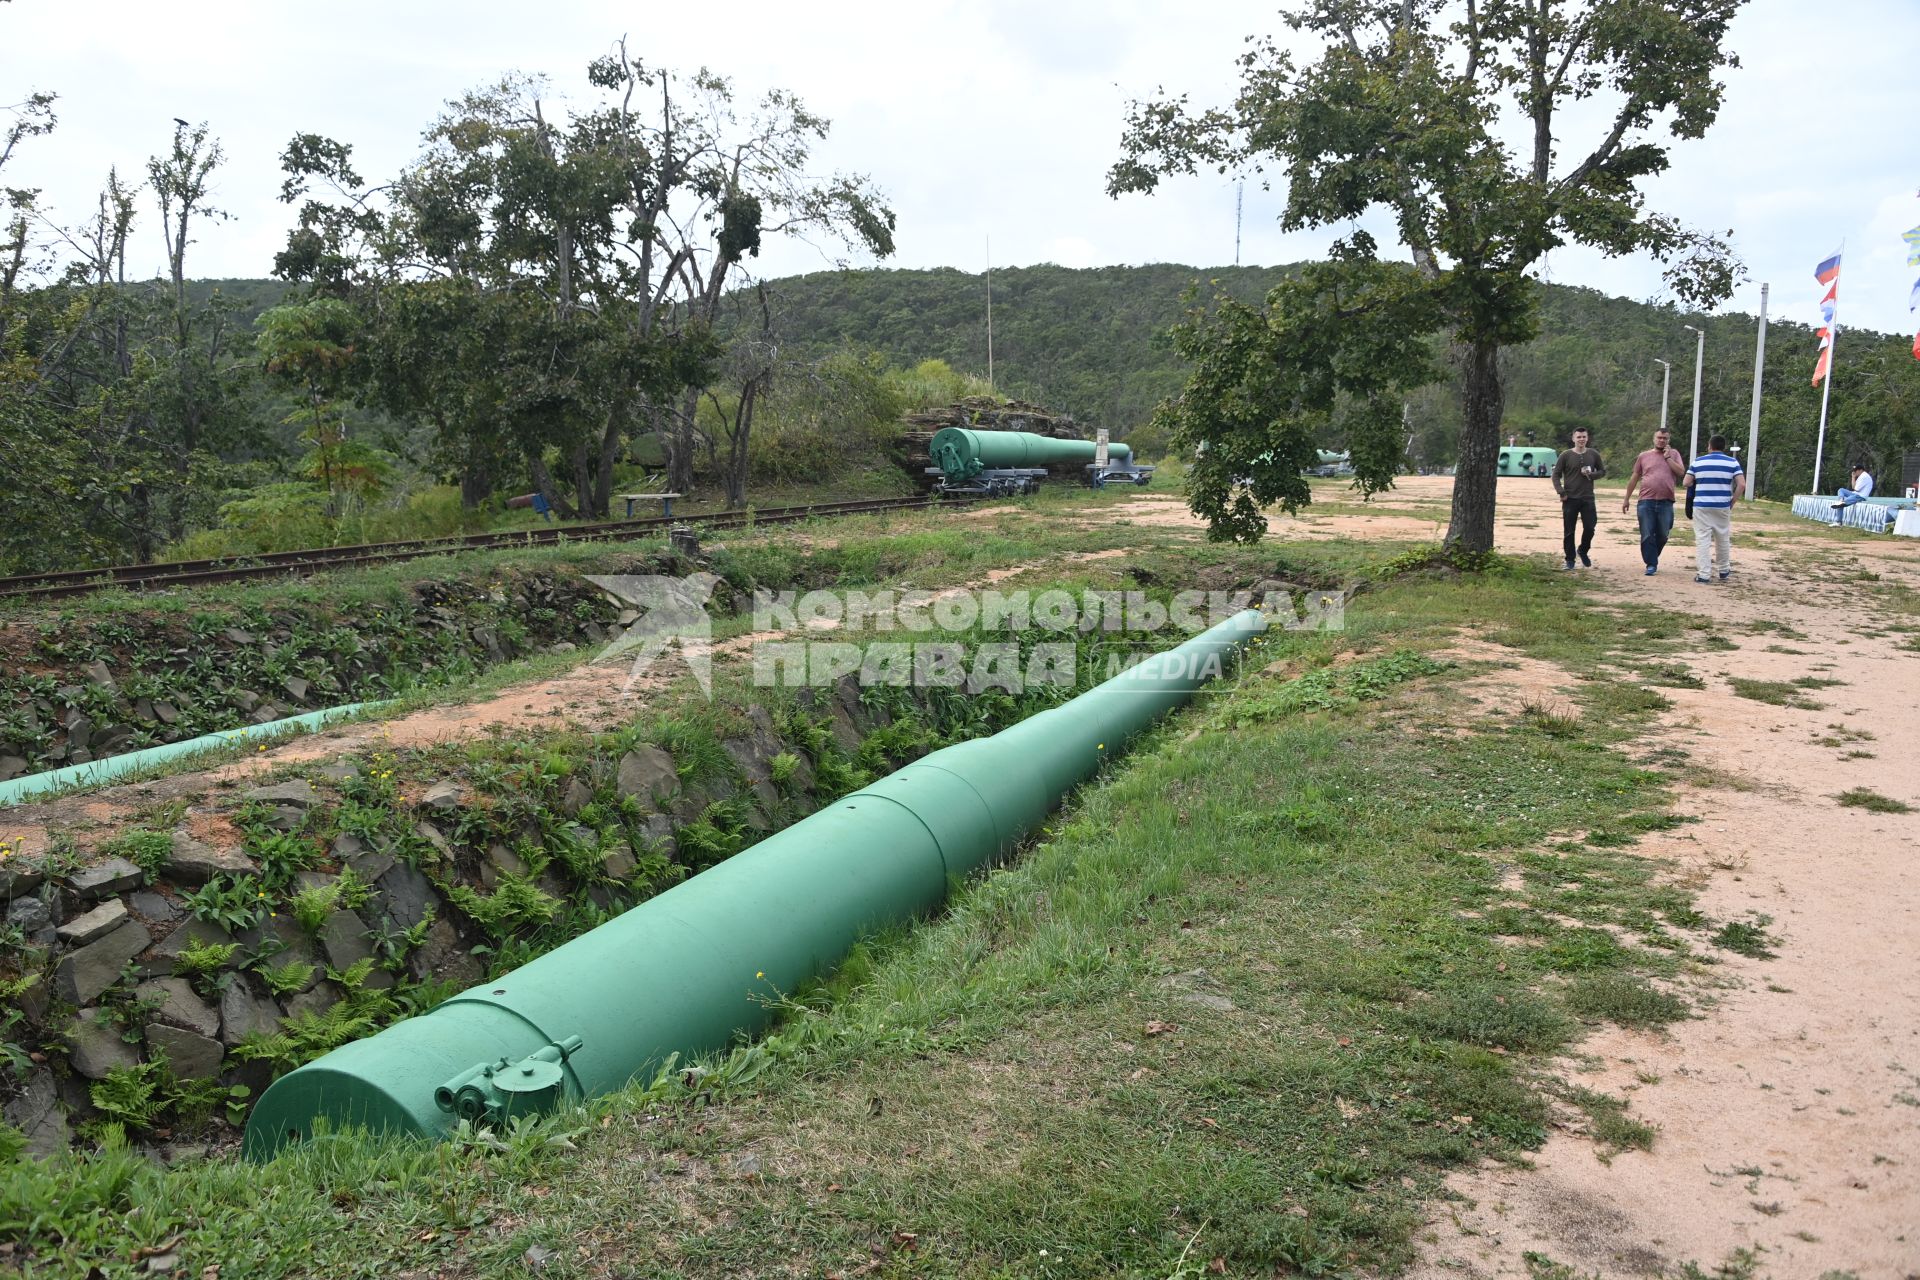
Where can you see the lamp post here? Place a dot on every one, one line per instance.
(1699, 357)
(1666, 376)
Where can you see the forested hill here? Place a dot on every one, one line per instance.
(1094, 343)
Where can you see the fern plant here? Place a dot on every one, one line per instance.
(130, 1095)
(284, 980)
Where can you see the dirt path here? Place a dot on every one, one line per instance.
(1789, 1112)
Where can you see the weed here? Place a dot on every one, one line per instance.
(1776, 693)
(1626, 1000)
(234, 903)
(148, 850)
(1872, 801)
(1612, 1127)
(1747, 938)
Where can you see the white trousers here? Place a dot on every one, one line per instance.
(1713, 539)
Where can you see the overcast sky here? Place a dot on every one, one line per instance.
(979, 118)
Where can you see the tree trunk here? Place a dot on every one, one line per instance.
(543, 481)
(1482, 401)
(583, 479)
(476, 484)
(680, 449)
(610, 437)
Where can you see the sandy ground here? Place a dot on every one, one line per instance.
(1789, 1112)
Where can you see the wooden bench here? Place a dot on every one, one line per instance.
(666, 501)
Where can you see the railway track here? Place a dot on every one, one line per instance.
(189, 573)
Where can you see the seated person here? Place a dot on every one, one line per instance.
(1860, 487)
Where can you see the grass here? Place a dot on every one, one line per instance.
(1872, 801)
(1026, 1086)
(1778, 693)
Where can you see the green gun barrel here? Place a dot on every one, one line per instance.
(962, 454)
(691, 970)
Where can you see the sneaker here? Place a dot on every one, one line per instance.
(1698, 578)
(1725, 574)
(1568, 566)
(1652, 569)
(1586, 561)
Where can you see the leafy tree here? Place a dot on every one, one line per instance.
(1413, 107)
(311, 346)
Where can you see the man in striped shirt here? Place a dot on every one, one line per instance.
(1717, 483)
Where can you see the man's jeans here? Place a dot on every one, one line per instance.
(1848, 497)
(1577, 511)
(1656, 522)
(1713, 540)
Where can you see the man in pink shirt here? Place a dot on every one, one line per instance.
(1654, 474)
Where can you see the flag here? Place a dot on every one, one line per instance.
(1828, 274)
(1913, 246)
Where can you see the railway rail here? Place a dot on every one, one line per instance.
(189, 573)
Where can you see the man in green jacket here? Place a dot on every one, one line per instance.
(1573, 475)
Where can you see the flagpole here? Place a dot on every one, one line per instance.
(1753, 425)
(1826, 387)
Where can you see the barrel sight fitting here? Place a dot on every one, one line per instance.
(495, 1091)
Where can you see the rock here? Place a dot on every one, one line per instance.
(316, 999)
(189, 1056)
(193, 862)
(30, 915)
(578, 796)
(370, 865)
(659, 833)
(94, 925)
(112, 740)
(19, 877)
(34, 998)
(83, 974)
(94, 1046)
(177, 1004)
(12, 767)
(35, 1111)
(617, 861)
(753, 763)
(443, 956)
(237, 636)
(166, 713)
(500, 861)
(243, 1011)
(103, 878)
(294, 942)
(298, 793)
(435, 837)
(99, 673)
(647, 772)
(344, 940)
(143, 710)
(347, 845)
(441, 797)
(154, 907)
(338, 771)
(846, 734)
(405, 896)
(199, 933)
(296, 688)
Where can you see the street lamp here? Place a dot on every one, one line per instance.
(1666, 375)
(1699, 355)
